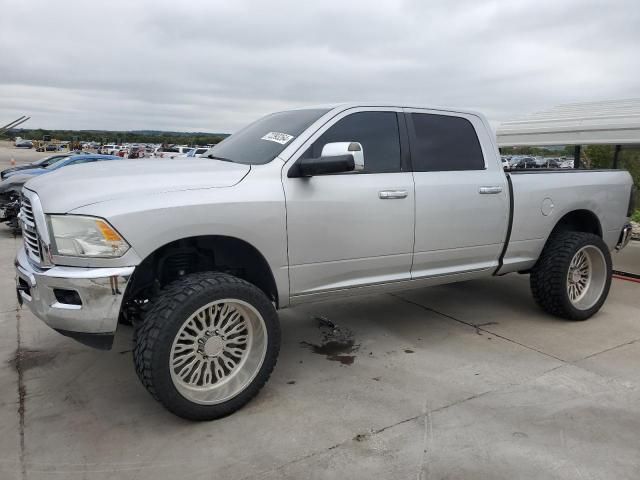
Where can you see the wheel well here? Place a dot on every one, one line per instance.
(579, 221)
(200, 254)
(575, 221)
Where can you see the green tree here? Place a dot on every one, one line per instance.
(598, 156)
(601, 156)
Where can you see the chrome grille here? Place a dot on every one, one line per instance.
(29, 231)
(27, 211)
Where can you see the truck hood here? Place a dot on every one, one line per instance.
(79, 185)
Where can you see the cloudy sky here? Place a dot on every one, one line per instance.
(204, 65)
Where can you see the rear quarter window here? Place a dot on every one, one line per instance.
(444, 143)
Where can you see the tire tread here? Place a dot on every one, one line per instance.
(151, 333)
(548, 277)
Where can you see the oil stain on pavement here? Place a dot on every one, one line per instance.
(337, 343)
(28, 359)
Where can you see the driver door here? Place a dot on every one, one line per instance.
(352, 229)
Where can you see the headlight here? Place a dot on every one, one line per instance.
(78, 236)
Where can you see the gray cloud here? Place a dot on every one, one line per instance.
(216, 65)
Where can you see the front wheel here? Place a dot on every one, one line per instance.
(207, 346)
(572, 276)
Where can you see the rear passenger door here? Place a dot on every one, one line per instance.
(462, 203)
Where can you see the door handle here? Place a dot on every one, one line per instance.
(392, 194)
(489, 190)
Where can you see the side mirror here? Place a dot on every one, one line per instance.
(308, 167)
(346, 148)
(337, 157)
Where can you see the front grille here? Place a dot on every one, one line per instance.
(29, 231)
(27, 211)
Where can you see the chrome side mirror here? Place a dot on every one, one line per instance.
(346, 148)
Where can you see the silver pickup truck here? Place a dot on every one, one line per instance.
(301, 205)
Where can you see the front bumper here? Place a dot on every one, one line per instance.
(625, 236)
(91, 316)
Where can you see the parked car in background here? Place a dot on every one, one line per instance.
(300, 206)
(546, 162)
(524, 162)
(171, 152)
(566, 163)
(41, 163)
(551, 163)
(135, 152)
(54, 147)
(11, 186)
(110, 149)
(24, 144)
(196, 152)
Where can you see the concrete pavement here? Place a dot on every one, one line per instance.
(459, 381)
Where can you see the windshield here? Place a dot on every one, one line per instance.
(264, 139)
(67, 161)
(43, 161)
(52, 160)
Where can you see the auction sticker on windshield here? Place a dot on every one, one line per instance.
(277, 137)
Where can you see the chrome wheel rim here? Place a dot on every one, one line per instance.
(218, 351)
(586, 278)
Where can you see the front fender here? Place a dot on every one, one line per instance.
(253, 212)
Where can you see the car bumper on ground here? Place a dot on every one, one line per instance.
(9, 213)
(9, 205)
(82, 303)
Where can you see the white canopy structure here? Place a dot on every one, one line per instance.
(614, 122)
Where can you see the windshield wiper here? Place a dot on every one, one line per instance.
(213, 157)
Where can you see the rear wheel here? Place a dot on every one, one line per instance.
(208, 344)
(573, 275)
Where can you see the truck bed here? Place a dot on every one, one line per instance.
(541, 197)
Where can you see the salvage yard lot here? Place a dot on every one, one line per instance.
(468, 380)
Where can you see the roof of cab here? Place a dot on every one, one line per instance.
(348, 105)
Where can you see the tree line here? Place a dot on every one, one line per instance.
(108, 136)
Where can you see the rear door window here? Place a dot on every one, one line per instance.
(443, 143)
